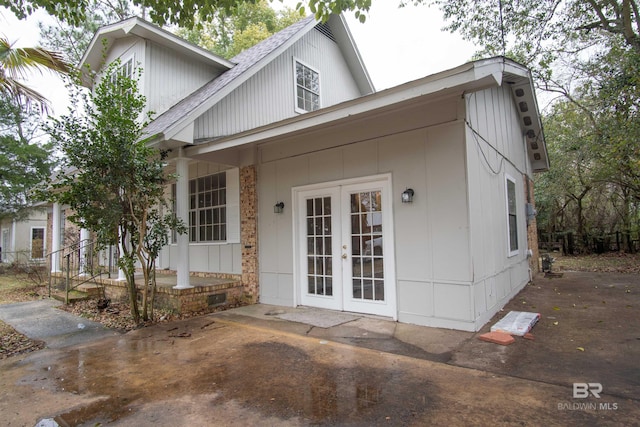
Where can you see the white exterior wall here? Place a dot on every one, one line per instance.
(433, 259)
(451, 259)
(167, 75)
(269, 96)
(18, 236)
(170, 77)
(498, 276)
(215, 257)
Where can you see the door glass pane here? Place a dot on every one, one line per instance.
(311, 285)
(356, 267)
(367, 287)
(319, 271)
(357, 288)
(378, 290)
(366, 245)
(327, 206)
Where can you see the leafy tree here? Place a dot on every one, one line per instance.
(15, 63)
(112, 180)
(72, 41)
(227, 35)
(587, 53)
(23, 161)
(571, 178)
(187, 13)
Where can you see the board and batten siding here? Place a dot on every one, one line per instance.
(494, 151)
(167, 76)
(433, 260)
(269, 95)
(171, 76)
(126, 48)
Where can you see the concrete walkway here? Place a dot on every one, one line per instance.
(41, 320)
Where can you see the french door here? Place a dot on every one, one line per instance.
(344, 237)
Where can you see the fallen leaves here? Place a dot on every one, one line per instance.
(13, 342)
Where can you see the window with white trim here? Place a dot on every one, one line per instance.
(512, 215)
(307, 88)
(207, 208)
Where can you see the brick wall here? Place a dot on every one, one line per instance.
(532, 228)
(182, 301)
(249, 232)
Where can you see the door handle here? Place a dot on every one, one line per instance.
(344, 256)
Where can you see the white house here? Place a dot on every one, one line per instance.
(24, 240)
(304, 184)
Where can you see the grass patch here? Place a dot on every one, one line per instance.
(611, 262)
(18, 288)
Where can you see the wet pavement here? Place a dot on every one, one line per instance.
(250, 366)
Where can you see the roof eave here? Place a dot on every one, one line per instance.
(470, 77)
(452, 82)
(106, 36)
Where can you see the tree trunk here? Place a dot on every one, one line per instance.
(127, 263)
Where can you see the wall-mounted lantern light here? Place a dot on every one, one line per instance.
(278, 207)
(407, 195)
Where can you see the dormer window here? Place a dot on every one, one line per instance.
(126, 70)
(307, 88)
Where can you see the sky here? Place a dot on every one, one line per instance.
(397, 45)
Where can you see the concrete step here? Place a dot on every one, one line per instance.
(93, 290)
(74, 296)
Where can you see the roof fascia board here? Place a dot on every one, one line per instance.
(460, 80)
(518, 76)
(138, 27)
(235, 83)
(350, 50)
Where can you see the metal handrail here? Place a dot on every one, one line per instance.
(79, 262)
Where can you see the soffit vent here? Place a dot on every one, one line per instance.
(326, 30)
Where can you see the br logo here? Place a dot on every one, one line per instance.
(582, 390)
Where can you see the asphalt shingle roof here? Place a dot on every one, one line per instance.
(244, 61)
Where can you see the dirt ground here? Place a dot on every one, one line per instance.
(212, 370)
(589, 332)
(209, 371)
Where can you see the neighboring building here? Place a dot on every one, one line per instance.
(24, 241)
(300, 181)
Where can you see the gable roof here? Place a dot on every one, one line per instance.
(106, 36)
(248, 63)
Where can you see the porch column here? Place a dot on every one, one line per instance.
(84, 242)
(182, 212)
(14, 249)
(55, 238)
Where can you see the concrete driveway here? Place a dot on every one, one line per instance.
(264, 365)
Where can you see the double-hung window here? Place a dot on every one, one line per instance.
(207, 208)
(307, 88)
(512, 216)
(214, 214)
